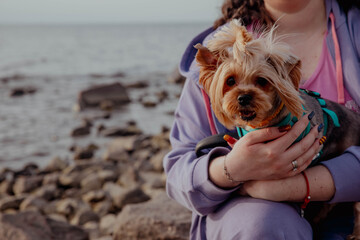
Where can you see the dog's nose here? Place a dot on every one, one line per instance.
(244, 99)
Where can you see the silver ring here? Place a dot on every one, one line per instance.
(316, 156)
(295, 165)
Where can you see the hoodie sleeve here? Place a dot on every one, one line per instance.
(345, 171)
(187, 176)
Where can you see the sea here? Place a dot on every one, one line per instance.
(59, 61)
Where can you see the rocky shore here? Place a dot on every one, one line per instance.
(119, 195)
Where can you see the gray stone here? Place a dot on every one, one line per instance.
(93, 96)
(160, 218)
(34, 226)
(83, 216)
(122, 196)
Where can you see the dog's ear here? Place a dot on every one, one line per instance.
(204, 57)
(287, 86)
(294, 67)
(208, 63)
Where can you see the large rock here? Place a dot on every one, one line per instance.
(160, 218)
(122, 196)
(34, 226)
(94, 96)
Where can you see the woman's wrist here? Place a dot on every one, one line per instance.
(220, 174)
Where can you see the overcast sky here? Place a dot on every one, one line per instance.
(108, 11)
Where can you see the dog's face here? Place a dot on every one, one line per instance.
(249, 79)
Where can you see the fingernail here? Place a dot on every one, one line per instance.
(229, 139)
(322, 140)
(320, 127)
(311, 115)
(284, 128)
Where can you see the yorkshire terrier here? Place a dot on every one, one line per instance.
(252, 80)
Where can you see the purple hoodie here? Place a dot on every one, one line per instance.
(187, 176)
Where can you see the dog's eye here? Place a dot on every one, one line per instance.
(261, 81)
(230, 81)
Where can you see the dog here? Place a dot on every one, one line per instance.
(252, 80)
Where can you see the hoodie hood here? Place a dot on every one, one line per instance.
(188, 67)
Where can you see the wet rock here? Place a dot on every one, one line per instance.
(27, 184)
(83, 216)
(122, 196)
(138, 85)
(69, 206)
(57, 217)
(81, 154)
(90, 182)
(33, 202)
(48, 192)
(10, 202)
(6, 186)
(34, 226)
(116, 153)
(107, 224)
(108, 175)
(162, 95)
(104, 207)
(80, 131)
(129, 178)
(21, 91)
(94, 196)
(121, 131)
(51, 178)
(93, 96)
(127, 143)
(114, 75)
(159, 218)
(56, 164)
(29, 169)
(149, 103)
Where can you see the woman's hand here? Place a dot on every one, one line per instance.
(267, 154)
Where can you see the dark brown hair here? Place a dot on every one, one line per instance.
(254, 10)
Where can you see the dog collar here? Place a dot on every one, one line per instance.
(269, 119)
(288, 120)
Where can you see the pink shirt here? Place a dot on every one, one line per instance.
(323, 80)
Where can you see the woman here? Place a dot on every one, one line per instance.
(263, 202)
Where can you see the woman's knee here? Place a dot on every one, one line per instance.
(249, 218)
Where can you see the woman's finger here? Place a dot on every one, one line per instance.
(301, 147)
(305, 160)
(287, 140)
